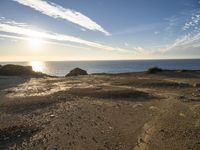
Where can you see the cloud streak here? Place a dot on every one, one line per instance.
(138, 29)
(3, 36)
(187, 41)
(193, 22)
(23, 30)
(57, 11)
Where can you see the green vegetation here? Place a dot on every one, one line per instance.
(154, 70)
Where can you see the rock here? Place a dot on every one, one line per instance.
(52, 116)
(137, 105)
(13, 70)
(153, 108)
(182, 114)
(77, 72)
(196, 85)
(110, 127)
(6, 138)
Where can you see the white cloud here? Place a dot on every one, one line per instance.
(186, 42)
(126, 44)
(15, 38)
(57, 11)
(182, 43)
(190, 40)
(83, 29)
(137, 29)
(140, 50)
(22, 30)
(156, 32)
(193, 22)
(172, 22)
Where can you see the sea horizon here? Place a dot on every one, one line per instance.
(61, 68)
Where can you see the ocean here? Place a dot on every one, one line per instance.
(61, 68)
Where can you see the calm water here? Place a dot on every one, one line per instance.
(62, 68)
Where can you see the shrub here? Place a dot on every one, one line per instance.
(154, 70)
(77, 72)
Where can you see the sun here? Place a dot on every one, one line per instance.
(35, 43)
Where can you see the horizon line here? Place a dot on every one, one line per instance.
(10, 61)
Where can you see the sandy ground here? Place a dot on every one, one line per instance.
(100, 112)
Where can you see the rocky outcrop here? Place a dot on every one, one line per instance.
(77, 72)
(15, 70)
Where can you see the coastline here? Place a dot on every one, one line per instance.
(61, 68)
(101, 111)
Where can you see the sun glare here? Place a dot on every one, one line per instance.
(35, 43)
(37, 66)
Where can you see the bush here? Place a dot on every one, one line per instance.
(154, 70)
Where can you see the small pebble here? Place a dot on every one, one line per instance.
(52, 116)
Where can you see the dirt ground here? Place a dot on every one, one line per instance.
(132, 111)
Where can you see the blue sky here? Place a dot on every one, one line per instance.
(99, 30)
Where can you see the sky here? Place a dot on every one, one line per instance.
(58, 30)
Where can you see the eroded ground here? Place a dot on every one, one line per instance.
(124, 111)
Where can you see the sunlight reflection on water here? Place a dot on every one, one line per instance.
(38, 66)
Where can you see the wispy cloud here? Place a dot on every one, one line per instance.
(187, 41)
(141, 50)
(22, 30)
(192, 38)
(15, 38)
(193, 22)
(126, 44)
(156, 32)
(57, 11)
(173, 22)
(137, 29)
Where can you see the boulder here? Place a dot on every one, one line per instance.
(77, 72)
(14, 70)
